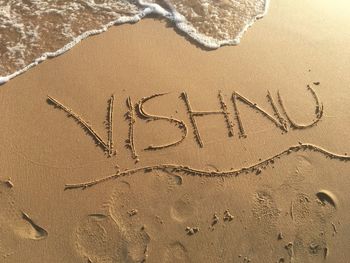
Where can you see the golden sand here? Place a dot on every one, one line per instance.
(185, 155)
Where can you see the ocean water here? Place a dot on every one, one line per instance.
(33, 30)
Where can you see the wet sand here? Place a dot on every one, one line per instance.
(139, 145)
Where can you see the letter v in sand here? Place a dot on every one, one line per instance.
(106, 146)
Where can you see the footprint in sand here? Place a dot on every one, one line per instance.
(176, 252)
(174, 181)
(13, 220)
(304, 166)
(264, 207)
(99, 238)
(182, 209)
(309, 248)
(300, 208)
(311, 220)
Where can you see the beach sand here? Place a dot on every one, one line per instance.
(233, 155)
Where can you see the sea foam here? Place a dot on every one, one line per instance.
(32, 31)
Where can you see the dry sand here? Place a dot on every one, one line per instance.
(220, 168)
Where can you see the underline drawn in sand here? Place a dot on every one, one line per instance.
(202, 173)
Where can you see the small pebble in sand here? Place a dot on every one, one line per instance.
(215, 219)
(191, 230)
(280, 236)
(8, 183)
(132, 212)
(314, 248)
(228, 216)
(159, 220)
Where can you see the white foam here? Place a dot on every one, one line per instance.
(148, 8)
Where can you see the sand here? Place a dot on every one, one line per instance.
(137, 145)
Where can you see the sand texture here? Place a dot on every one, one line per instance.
(139, 146)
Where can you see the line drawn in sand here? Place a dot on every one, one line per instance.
(202, 173)
(110, 126)
(130, 116)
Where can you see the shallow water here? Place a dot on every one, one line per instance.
(32, 30)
